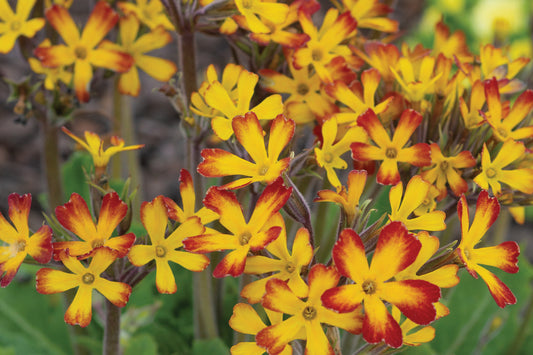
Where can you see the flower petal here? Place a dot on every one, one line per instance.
(226, 205)
(75, 216)
(158, 68)
(276, 337)
(40, 245)
(499, 291)
(317, 342)
(113, 210)
(164, 278)
(350, 257)
(379, 325)
(245, 319)
(503, 256)
(102, 19)
(117, 293)
(110, 59)
(190, 261)
(345, 298)
(54, 281)
(232, 264)
(80, 310)
(63, 23)
(272, 199)
(83, 74)
(280, 298)
(140, 255)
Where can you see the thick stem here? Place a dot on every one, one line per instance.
(112, 330)
(187, 59)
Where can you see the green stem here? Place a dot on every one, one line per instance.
(112, 330)
(187, 59)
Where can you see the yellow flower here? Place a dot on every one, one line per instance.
(13, 25)
(149, 12)
(271, 11)
(52, 75)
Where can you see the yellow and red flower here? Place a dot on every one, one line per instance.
(86, 279)
(396, 250)
(149, 12)
(243, 237)
(471, 114)
(80, 50)
(254, 11)
(307, 316)
(265, 166)
(52, 75)
(503, 256)
(164, 250)
(383, 57)
(371, 14)
(75, 216)
(18, 240)
(391, 152)
(16, 24)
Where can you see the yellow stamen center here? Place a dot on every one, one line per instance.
(309, 313)
(369, 287)
(328, 157)
(80, 52)
(88, 278)
(302, 89)
(444, 165)
(263, 170)
(247, 4)
(502, 132)
(244, 238)
(15, 26)
(97, 243)
(20, 245)
(391, 153)
(160, 251)
(467, 253)
(490, 173)
(316, 55)
(290, 267)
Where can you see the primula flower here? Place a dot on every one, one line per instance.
(164, 250)
(158, 68)
(396, 250)
(13, 25)
(415, 193)
(471, 114)
(356, 102)
(328, 156)
(493, 173)
(265, 167)
(149, 12)
(286, 267)
(503, 126)
(243, 237)
(503, 256)
(414, 334)
(347, 198)
(246, 320)
(188, 200)
(494, 63)
(450, 45)
(17, 236)
(417, 81)
(383, 57)
(218, 97)
(369, 14)
(80, 50)
(95, 146)
(324, 44)
(305, 316)
(52, 75)
(271, 11)
(75, 216)
(391, 152)
(86, 279)
(445, 170)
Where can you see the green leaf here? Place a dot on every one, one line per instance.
(142, 344)
(210, 346)
(73, 173)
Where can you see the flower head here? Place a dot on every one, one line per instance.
(271, 11)
(52, 75)
(16, 24)
(86, 279)
(471, 114)
(18, 240)
(503, 256)
(149, 12)
(164, 250)
(371, 14)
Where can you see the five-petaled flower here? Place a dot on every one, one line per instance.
(15, 24)
(17, 236)
(86, 279)
(503, 256)
(396, 250)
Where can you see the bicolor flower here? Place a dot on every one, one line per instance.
(493, 173)
(51, 75)
(158, 68)
(348, 198)
(391, 152)
(243, 237)
(503, 256)
(245, 320)
(417, 81)
(496, 63)
(80, 49)
(75, 216)
(401, 208)
(16, 24)
(265, 167)
(450, 45)
(414, 334)
(306, 317)
(95, 146)
(188, 200)
(149, 12)
(165, 250)
(19, 244)
(471, 113)
(503, 125)
(446, 170)
(383, 57)
(371, 14)
(256, 10)
(86, 279)
(284, 266)
(328, 156)
(395, 251)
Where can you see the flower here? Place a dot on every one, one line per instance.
(271, 11)
(368, 14)
(149, 12)
(347, 198)
(95, 146)
(503, 256)
(80, 50)
(243, 237)
(17, 236)
(492, 173)
(158, 68)
(328, 156)
(86, 279)
(52, 75)
(391, 151)
(305, 316)
(15, 24)
(445, 170)
(383, 57)
(450, 46)
(75, 216)
(164, 250)
(265, 167)
(286, 267)
(416, 80)
(396, 249)
(471, 114)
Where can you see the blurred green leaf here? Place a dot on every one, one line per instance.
(210, 346)
(73, 173)
(141, 344)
